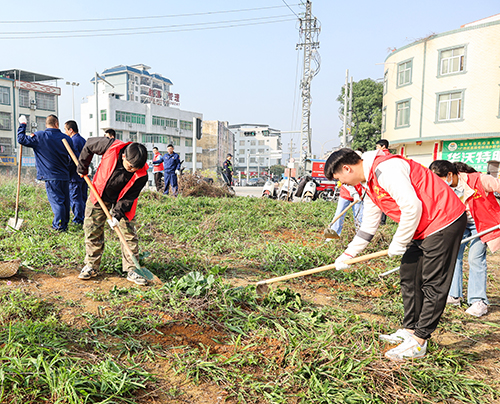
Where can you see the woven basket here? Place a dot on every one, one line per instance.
(9, 268)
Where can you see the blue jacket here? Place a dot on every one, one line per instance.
(171, 162)
(78, 143)
(52, 158)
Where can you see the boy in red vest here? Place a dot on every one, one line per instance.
(121, 176)
(158, 170)
(431, 223)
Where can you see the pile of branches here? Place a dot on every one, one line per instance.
(194, 185)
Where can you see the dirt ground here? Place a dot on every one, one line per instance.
(174, 388)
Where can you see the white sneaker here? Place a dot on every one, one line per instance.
(396, 337)
(477, 309)
(87, 272)
(133, 276)
(454, 301)
(408, 349)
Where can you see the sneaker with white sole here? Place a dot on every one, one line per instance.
(133, 276)
(87, 272)
(408, 349)
(453, 301)
(477, 309)
(396, 337)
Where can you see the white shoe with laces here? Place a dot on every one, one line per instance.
(408, 349)
(453, 301)
(396, 337)
(477, 309)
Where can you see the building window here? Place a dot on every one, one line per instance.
(451, 60)
(188, 142)
(384, 119)
(450, 106)
(242, 143)
(40, 123)
(46, 102)
(253, 143)
(129, 117)
(241, 160)
(24, 98)
(187, 125)
(91, 116)
(404, 73)
(262, 151)
(403, 114)
(6, 145)
(119, 134)
(5, 121)
(155, 138)
(189, 157)
(241, 151)
(132, 136)
(5, 95)
(90, 134)
(261, 142)
(253, 160)
(250, 133)
(176, 141)
(161, 121)
(386, 80)
(103, 114)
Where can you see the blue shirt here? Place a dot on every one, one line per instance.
(171, 162)
(78, 143)
(52, 158)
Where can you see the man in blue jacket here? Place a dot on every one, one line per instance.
(78, 188)
(172, 165)
(52, 165)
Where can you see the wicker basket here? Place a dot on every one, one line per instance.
(9, 268)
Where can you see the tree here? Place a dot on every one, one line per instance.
(277, 170)
(366, 115)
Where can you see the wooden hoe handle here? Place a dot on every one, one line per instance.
(343, 212)
(324, 268)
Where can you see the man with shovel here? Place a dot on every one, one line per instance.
(52, 166)
(121, 176)
(431, 223)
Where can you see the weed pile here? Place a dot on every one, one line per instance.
(205, 328)
(194, 185)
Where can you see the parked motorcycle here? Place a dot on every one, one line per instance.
(284, 193)
(309, 192)
(268, 191)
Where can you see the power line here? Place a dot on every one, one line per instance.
(139, 28)
(290, 8)
(142, 33)
(144, 17)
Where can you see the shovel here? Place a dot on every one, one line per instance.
(262, 287)
(329, 233)
(138, 269)
(15, 223)
(464, 241)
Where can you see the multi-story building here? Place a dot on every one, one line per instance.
(257, 148)
(442, 96)
(139, 106)
(24, 93)
(216, 142)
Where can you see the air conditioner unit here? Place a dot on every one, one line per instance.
(164, 128)
(34, 125)
(33, 104)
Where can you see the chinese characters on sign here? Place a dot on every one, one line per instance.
(475, 153)
(8, 161)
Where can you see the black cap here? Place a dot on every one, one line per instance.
(229, 155)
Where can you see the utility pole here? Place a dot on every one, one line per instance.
(309, 32)
(346, 90)
(350, 110)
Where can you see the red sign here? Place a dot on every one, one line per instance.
(42, 88)
(318, 169)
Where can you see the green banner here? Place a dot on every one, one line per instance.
(475, 153)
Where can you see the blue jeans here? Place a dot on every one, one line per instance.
(357, 211)
(477, 269)
(58, 196)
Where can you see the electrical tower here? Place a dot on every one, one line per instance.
(309, 32)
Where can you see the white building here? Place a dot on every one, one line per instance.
(140, 108)
(441, 96)
(24, 93)
(257, 148)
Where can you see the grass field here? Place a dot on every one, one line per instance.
(204, 335)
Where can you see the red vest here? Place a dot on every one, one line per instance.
(158, 167)
(484, 209)
(107, 166)
(344, 193)
(440, 205)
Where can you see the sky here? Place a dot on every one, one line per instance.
(248, 72)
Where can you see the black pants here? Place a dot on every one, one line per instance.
(426, 272)
(158, 182)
